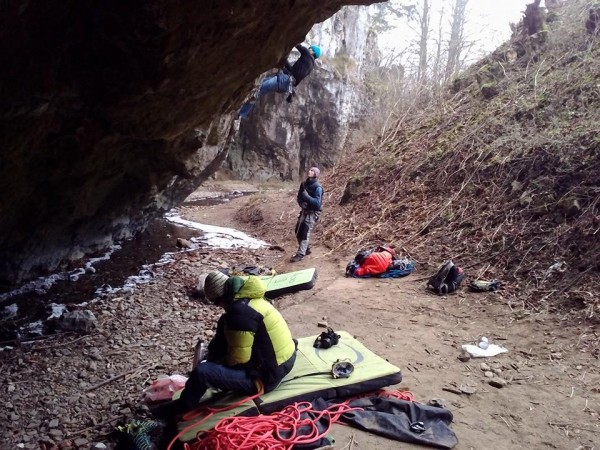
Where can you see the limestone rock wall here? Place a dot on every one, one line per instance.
(112, 112)
(281, 140)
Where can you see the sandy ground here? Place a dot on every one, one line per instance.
(552, 397)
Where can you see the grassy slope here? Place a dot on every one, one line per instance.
(509, 185)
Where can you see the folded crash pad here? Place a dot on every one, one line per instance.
(309, 379)
(287, 283)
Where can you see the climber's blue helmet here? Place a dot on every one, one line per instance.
(316, 51)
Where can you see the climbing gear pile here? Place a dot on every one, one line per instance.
(327, 339)
(138, 432)
(268, 431)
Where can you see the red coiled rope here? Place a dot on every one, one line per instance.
(400, 395)
(267, 431)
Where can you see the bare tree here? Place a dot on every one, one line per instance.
(456, 40)
(437, 68)
(423, 39)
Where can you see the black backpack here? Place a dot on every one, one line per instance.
(447, 279)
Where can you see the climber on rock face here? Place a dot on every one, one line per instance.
(288, 78)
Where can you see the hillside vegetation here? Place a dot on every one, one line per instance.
(501, 173)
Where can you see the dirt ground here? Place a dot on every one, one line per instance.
(69, 392)
(552, 396)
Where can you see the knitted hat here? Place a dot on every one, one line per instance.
(316, 171)
(214, 285)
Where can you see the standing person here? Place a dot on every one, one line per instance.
(287, 79)
(310, 200)
(252, 347)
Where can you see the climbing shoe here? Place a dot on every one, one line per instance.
(169, 410)
(484, 286)
(296, 258)
(308, 251)
(327, 339)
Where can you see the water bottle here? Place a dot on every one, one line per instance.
(483, 343)
(201, 351)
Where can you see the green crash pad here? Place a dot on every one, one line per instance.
(309, 379)
(287, 283)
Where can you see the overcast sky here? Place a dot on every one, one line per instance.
(496, 15)
(488, 24)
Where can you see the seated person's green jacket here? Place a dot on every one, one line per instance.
(252, 334)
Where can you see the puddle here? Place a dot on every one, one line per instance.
(23, 311)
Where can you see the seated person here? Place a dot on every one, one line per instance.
(374, 263)
(252, 348)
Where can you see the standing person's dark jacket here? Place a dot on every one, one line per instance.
(312, 200)
(303, 65)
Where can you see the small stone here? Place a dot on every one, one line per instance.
(497, 383)
(437, 402)
(80, 442)
(53, 423)
(469, 390)
(489, 374)
(464, 357)
(55, 433)
(484, 367)
(322, 324)
(99, 446)
(497, 371)
(14, 417)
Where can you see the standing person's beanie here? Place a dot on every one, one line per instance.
(214, 285)
(316, 171)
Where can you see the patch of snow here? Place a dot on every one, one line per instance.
(215, 236)
(32, 329)
(43, 284)
(57, 310)
(10, 311)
